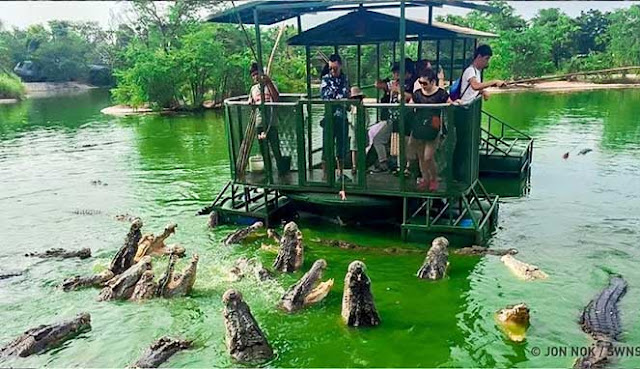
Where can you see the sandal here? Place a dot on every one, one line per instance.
(421, 184)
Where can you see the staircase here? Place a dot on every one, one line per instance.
(504, 150)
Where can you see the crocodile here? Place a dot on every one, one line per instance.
(145, 288)
(8, 275)
(481, 251)
(528, 272)
(154, 245)
(244, 266)
(303, 293)
(346, 245)
(437, 261)
(83, 253)
(214, 219)
(125, 217)
(172, 285)
(246, 343)
(291, 253)
(44, 337)
(96, 280)
(121, 287)
(239, 235)
(125, 256)
(160, 351)
(358, 308)
(86, 212)
(513, 320)
(600, 319)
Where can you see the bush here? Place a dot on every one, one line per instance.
(11, 87)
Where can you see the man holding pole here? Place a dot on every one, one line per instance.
(267, 134)
(335, 86)
(471, 84)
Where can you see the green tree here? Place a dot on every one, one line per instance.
(624, 45)
(199, 59)
(560, 30)
(592, 36)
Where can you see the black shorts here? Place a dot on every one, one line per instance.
(341, 137)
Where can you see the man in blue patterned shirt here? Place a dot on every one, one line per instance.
(335, 86)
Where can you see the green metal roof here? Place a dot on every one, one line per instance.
(274, 11)
(369, 27)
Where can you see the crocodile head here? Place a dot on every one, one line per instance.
(437, 261)
(358, 308)
(291, 252)
(152, 245)
(291, 230)
(122, 286)
(244, 339)
(170, 229)
(136, 224)
(172, 285)
(514, 321)
(145, 288)
(308, 290)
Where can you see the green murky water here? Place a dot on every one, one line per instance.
(579, 223)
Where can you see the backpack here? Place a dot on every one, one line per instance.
(454, 91)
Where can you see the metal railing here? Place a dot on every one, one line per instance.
(301, 137)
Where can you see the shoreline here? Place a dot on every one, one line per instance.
(9, 101)
(562, 87)
(554, 86)
(125, 110)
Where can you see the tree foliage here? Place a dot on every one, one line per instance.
(553, 42)
(59, 51)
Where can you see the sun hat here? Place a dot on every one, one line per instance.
(356, 92)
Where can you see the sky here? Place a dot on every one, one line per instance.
(109, 13)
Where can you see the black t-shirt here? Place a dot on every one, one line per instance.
(439, 97)
(427, 123)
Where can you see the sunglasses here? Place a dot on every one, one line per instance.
(423, 83)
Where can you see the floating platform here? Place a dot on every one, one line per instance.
(240, 204)
(466, 219)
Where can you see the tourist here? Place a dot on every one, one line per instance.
(267, 135)
(422, 66)
(335, 86)
(427, 127)
(471, 84)
(391, 117)
(352, 118)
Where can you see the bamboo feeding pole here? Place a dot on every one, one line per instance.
(275, 47)
(561, 76)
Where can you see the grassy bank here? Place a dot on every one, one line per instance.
(11, 87)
